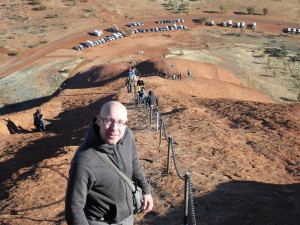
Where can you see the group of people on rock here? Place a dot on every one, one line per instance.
(131, 81)
(180, 75)
(131, 78)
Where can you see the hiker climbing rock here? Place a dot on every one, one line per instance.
(189, 73)
(151, 100)
(140, 83)
(129, 81)
(142, 95)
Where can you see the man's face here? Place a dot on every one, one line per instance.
(112, 122)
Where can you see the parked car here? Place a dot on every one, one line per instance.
(79, 47)
(89, 43)
(113, 29)
(98, 32)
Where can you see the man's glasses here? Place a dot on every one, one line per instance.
(109, 121)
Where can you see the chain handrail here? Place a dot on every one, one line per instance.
(174, 160)
(193, 215)
(188, 178)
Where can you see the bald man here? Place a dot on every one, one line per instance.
(96, 194)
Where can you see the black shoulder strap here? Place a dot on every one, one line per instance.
(112, 165)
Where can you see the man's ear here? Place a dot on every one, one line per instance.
(97, 120)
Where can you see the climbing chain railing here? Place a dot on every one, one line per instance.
(154, 114)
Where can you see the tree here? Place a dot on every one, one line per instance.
(250, 10)
(184, 7)
(284, 49)
(223, 8)
(265, 11)
(173, 4)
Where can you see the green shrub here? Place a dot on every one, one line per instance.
(36, 2)
(223, 8)
(250, 10)
(284, 49)
(127, 31)
(202, 20)
(65, 71)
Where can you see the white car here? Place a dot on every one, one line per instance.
(79, 47)
(89, 43)
(98, 32)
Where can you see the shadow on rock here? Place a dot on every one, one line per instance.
(69, 130)
(239, 202)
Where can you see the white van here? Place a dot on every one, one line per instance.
(98, 32)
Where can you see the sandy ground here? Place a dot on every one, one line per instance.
(235, 123)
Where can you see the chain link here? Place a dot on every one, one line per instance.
(193, 215)
(173, 156)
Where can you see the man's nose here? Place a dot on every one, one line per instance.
(114, 125)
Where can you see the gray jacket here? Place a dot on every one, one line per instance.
(94, 189)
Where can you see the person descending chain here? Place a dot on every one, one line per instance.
(140, 83)
(129, 81)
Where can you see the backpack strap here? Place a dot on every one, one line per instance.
(107, 160)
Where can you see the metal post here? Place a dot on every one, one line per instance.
(157, 120)
(169, 154)
(134, 90)
(186, 199)
(151, 114)
(145, 106)
(161, 130)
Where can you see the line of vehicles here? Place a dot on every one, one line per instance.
(133, 24)
(170, 21)
(291, 30)
(155, 29)
(230, 24)
(90, 43)
(116, 34)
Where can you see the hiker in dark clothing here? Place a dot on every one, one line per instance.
(96, 194)
(151, 100)
(129, 82)
(142, 95)
(140, 83)
(39, 120)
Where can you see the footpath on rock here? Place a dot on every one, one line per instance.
(240, 147)
(243, 156)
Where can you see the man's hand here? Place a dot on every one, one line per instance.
(148, 203)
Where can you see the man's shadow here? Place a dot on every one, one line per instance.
(13, 129)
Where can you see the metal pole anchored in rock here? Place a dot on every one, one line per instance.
(161, 130)
(169, 154)
(186, 199)
(157, 120)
